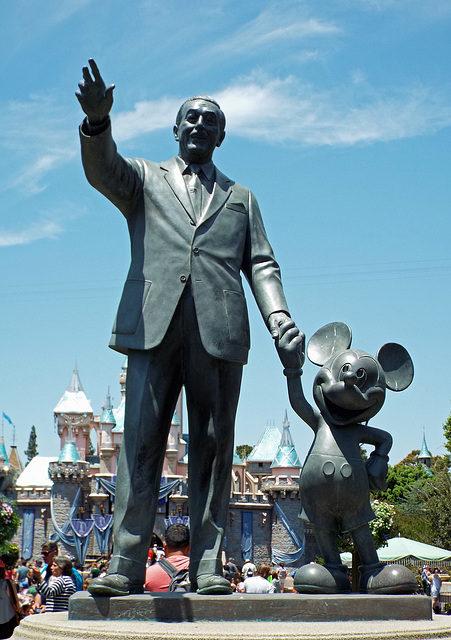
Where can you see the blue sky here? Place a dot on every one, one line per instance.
(338, 118)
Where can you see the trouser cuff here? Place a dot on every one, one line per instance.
(134, 570)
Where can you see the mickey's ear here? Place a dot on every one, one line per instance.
(331, 339)
(397, 366)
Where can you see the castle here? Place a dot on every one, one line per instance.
(70, 499)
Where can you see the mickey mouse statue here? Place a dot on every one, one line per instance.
(335, 482)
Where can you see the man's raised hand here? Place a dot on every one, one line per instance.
(94, 97)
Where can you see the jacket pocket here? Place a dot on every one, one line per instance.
(237, 318)
(236, 206)
(134, 297)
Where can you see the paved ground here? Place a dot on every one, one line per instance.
(52, 626)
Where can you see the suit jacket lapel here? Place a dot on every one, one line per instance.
(175, 181)
(174, 178)
(221, 192)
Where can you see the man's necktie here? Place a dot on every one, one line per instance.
(195, 189)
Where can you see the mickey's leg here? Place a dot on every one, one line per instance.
(375, 577)
(330, 578)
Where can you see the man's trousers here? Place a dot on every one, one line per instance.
(154, 380)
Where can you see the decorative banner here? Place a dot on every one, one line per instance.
(64, 533)
(165, 489)
(176, 520)
(247, 535)
(82, 530)
(102, 531)
(288, 558)
(27, 533)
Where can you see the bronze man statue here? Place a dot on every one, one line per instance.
(182, 320)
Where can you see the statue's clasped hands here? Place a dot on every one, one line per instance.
(289, 341)
(94, 97)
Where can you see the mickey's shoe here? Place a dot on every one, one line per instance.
(386, 579)
(316, 578)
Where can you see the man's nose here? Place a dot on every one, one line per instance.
(200, 122)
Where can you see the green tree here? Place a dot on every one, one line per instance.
(91, 449)
(243, 450)
(400, 479)
(32, 449)
(432, 501)
(447, 433)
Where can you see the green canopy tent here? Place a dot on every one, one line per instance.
(405, 551)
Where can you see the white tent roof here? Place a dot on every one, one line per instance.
(401, 548)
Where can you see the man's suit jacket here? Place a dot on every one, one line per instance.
(168, 247)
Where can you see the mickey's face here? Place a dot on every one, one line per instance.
(350, 388)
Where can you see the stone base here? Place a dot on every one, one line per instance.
(56, 626)
(287, 607)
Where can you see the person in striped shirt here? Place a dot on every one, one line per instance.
(61, 588)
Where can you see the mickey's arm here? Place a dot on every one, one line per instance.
(377, 463)
(289, 345)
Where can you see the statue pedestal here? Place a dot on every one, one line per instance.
(246, 616)
(286, 607)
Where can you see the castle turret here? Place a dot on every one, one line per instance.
(106, 426)
(74, 416)
(286, 463)
(424, 456)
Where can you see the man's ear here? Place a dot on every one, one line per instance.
(176, 133)
(220, 141)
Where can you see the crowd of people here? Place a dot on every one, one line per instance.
(46, 584)
(42, 585)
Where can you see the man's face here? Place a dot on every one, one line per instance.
(199, 131)
(48, 556)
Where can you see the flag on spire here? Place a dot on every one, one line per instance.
(8, 419)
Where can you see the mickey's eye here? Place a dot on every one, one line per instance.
(361, 376)
(346, 367)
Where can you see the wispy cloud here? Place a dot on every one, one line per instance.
(43, 226)
(42, 229)
(273, 27)
(40, 137)
(146, 116)
(287, 111)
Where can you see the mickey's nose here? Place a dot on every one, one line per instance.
(349, 378)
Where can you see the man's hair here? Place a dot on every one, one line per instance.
(177, 536)
(222, 120)
(65, 564)
(50, 546)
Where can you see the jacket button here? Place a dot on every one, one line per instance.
(182, 278)
(196, 251)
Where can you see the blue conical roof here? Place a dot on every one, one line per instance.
(69, 453)
(107, 416)
(424, 453)
(3, 453)
(286, 455)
